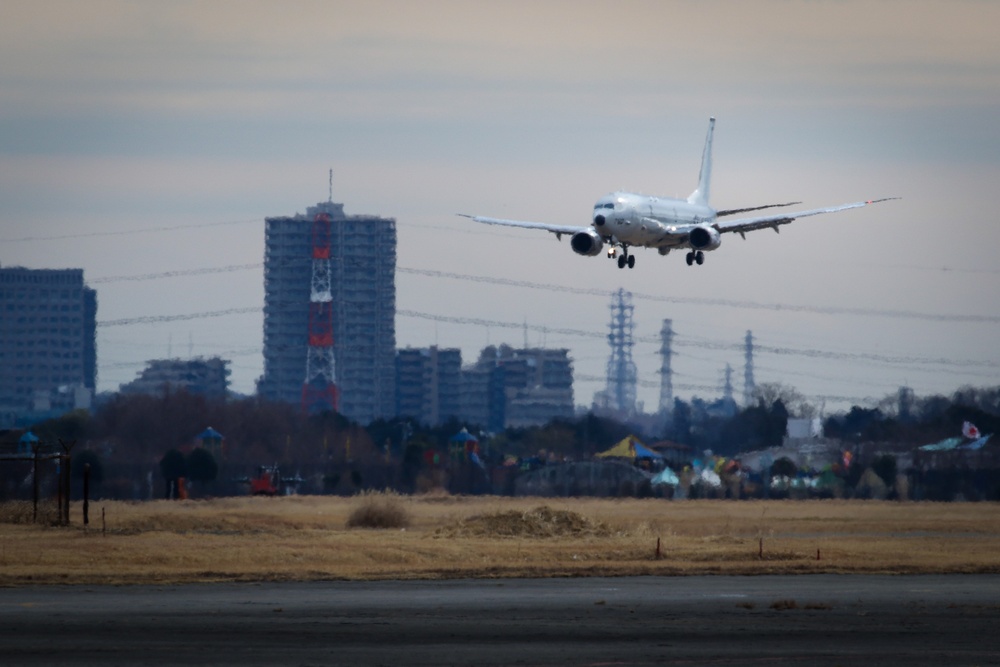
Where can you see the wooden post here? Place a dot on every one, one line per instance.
(86, 494)
(67, 485)
(34, 481)
(67, 481)
(59, 489)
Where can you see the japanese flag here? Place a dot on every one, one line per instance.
(969, 430)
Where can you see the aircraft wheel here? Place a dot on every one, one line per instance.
(700, 258)
(690, 258)
(621, 261)
(631, 261)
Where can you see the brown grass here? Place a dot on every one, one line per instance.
(307, 538)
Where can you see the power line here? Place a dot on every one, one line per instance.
(590, 291)
(127, 232)
(157, 319)
(693, 301)
(176, 274)
(818, 354)
(704, 344)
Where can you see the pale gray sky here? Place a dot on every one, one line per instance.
(120, 119)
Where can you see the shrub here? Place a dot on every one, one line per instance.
(201, 465)
(379, 510)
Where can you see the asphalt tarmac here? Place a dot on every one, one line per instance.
(766, 620)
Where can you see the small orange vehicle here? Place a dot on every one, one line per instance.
(267, 481)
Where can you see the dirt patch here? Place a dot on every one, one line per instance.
(540, 522)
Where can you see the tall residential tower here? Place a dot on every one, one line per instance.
(48, 349)
(362, 271)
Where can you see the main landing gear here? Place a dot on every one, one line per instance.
(624, 259)
(693, 257)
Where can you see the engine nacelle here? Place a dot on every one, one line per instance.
(705, 238)
(587, 242)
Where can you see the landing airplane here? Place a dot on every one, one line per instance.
(626, 219)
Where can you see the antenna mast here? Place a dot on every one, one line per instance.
(319, 391)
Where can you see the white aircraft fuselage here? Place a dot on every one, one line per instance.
(622, 220)
(652, 222)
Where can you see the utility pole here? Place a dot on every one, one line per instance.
(666, 374)
(621, 375)
(748, 382)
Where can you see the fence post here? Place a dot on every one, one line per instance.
(86, 494)
(59, 488)
(34, 481)
(67, 481)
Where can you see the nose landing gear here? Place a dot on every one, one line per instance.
(626, 259)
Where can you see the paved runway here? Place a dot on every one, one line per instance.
(818, 620)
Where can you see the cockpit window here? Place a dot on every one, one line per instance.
(609, 205)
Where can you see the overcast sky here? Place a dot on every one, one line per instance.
(146, 138)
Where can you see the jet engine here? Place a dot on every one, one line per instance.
(705, 238)
(587, 242)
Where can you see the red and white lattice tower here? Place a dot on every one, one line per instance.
(319, 391)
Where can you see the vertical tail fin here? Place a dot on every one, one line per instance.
(700, 196)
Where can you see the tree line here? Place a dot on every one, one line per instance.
(126, 435)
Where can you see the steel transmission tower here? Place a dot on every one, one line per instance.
(748, 382)
(319, 391)
(621, 381)
(666, 375)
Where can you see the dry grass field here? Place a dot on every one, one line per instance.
(437, 537)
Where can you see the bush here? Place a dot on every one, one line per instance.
(201, 465)
(379, 510)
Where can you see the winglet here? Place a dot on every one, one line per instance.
(700, 196)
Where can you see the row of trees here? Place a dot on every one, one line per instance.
(139, 430)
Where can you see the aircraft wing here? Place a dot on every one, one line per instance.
(558, 230)
(744, 225)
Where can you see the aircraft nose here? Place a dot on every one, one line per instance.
(599, 220)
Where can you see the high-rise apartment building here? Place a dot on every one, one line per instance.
(510, 387)
(429, 384)
(202, 377)
(48, 343)
(362, 265)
